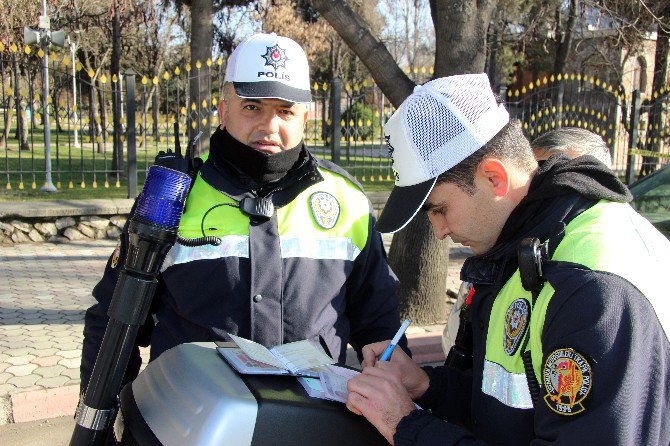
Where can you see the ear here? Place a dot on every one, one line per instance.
(304, 122)
(223, 109)
(496, 175)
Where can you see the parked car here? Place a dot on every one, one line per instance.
(651, 198)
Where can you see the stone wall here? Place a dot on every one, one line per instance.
(61, 230)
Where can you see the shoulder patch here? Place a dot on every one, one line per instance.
(567, 381)
(325, 208)
(516, 321)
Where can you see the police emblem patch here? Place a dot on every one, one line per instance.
(325, 209)
(516, 321)
(116, 254)
(275, 57)
(567, 380)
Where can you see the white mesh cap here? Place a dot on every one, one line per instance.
(269, 66)
(439, 125)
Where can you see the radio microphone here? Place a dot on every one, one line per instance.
(152, 231)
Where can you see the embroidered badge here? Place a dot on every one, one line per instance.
(116, 254)
(325, 209)
(275, 57)
(567, 380)
(516, 321)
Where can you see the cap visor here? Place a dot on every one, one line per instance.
(402, 205)
(271, 89)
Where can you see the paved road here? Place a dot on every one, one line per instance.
(50, 432)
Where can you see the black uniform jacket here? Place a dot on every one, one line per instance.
(331, 302)
(590, 311)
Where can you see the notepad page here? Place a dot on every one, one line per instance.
(301, 355)
(334, 381)
(257, 352)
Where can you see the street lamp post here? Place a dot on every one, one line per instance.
(43, 36)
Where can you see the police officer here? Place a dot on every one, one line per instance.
(572, 141)
(570, 315)
(298, 259)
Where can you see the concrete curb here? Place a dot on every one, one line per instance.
(42, 404)
(64, 208)
(62, 401)
(426, 347)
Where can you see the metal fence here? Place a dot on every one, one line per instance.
(634, 130)
(92, 146)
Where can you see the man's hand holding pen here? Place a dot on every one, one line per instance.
(384, 391)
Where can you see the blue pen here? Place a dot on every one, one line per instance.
(389, 350)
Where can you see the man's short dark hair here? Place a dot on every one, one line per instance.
(509, 144)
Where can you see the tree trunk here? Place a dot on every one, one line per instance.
(374, 55)
(55, 92)
(117, 150)
(420, 261)
(460, 35)
(30, 101)
(564, 42)
(9, 113)
(22, 129)
(21, 119)
(9, 110)
(418, 258)
(460, 28)
(655, 125)
(99, 114)
(201, 50)
(92, 113)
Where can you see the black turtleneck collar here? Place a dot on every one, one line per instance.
(261, 168)
(585, 175)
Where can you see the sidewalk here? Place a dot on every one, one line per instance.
(44, 292)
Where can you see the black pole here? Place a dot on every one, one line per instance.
(117, 151)
(151, 232)
(632, 141)
(131, 136)
(336, 116)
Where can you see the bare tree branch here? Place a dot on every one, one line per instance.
(369, 49)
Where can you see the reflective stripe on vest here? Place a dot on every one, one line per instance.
(645, 259)
(511, 389)
(504, 375)
(209, 212)
(334, 248)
